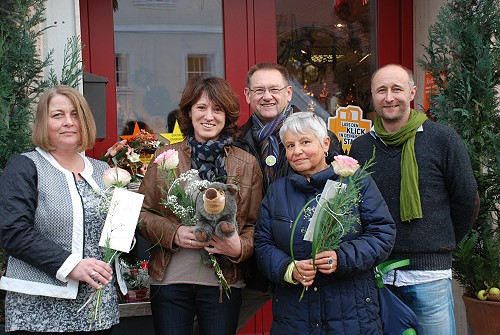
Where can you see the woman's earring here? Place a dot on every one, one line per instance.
(326, 153)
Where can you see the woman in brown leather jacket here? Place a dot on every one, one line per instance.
(182, 286)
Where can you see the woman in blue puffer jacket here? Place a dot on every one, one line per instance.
(341, 295)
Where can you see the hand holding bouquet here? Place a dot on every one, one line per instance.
(180, 199)
(334, 211)
(121, 209)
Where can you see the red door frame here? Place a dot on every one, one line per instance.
(249, 38)
(395, 32)
(98, 55)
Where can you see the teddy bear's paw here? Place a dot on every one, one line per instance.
(201, 236)
(226, 228)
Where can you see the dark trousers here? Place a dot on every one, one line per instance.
(175, 306)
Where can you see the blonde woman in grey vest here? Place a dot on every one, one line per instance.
(50, 227)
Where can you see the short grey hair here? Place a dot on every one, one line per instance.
(304, 123)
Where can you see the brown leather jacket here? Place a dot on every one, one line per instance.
(242, 169)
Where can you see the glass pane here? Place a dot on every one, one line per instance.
(329, 49)
(159, 44)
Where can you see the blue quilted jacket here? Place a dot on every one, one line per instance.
(345, 302)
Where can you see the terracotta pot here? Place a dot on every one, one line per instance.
(482, 316)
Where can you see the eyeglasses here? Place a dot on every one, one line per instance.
(259, 91)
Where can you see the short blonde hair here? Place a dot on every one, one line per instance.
(40, 135)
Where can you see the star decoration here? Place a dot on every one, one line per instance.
(175, 136)
(137, 130)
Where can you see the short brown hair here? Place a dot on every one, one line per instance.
(219, 92)
(268, 66)
(40, 135)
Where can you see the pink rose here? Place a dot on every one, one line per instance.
(168, 160)
(344, 166)
(116, 176)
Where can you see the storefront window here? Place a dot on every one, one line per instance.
(328, 46)
(159, 45)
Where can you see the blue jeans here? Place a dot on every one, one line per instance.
(432, 303)
(174, 307)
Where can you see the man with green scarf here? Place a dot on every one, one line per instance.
(424, 173)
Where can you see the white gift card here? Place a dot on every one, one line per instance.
(121, 220)
(331, 189)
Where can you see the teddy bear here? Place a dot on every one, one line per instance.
(216, 212)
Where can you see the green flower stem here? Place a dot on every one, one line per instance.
(222, 280)
(95, 312)
(295, 222)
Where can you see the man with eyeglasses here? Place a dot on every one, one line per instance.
(268, 92)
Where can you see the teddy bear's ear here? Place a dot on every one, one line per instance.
(232, 188)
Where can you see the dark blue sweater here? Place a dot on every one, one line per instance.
(447, 192)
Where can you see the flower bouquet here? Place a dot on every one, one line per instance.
(331, 214)
(136, 278)
(122, 209)
(134, 154)
(180, 198)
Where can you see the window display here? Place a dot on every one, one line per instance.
(329, 49)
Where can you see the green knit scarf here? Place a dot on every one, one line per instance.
(409, 198)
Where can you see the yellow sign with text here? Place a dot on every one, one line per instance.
(347, 124)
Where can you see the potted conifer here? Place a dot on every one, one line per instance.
(463, 55)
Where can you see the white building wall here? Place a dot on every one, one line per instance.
(63, 20)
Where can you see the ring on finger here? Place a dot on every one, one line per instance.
(331, 266)
(191, 242)
(93, 274)
(304, 278)
(330, 261)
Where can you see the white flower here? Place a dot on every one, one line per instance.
(117, 177)
(134, 157)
